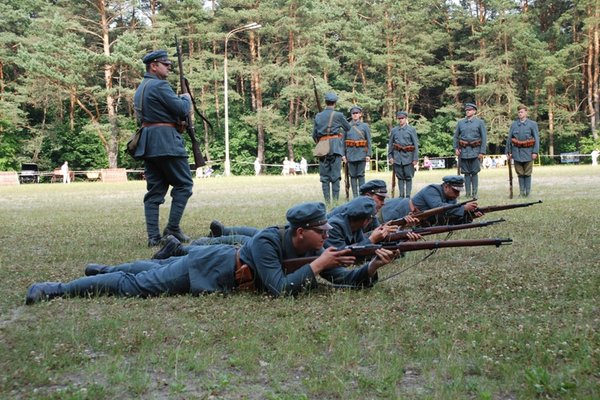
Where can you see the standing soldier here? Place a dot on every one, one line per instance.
(470, 141)
(523, 145)
(330, 126)
(161, 146)
(357, 145)
(403, 153)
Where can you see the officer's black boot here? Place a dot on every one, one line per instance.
(43, 291)
(151, 213)
(177, 208)
(408, 188)
(170, 248)
(95, 269)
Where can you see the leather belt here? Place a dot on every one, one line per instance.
(327, 137)
(407, 148)
(244, 278)
(523, 143)
(464, 143)
(356, 143)
(148, 124)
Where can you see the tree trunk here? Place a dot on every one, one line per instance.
(112, 146)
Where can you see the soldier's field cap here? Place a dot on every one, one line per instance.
(308, 215)
(156, 56)
(470, 105)
(361, 206)
(330, 96)
(401, 114)
(355, 108)
(375, 186)
(456, 182)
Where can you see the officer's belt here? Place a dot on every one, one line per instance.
(244, 278)
(148, 124)
(523, 143)
(356, 143)
(327, 137)
(407, 148)
(464, 143)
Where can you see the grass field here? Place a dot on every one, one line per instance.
(517, 322)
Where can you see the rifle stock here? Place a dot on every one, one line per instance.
(428, 213)
(432, 230)
(488, 209)
(347, 180)
(292, 264)
(189, 121)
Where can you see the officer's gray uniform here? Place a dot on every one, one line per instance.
(162, 148)
(470, 137)
(357, 145)
(403, 148)
(523, 141)
(330, 166)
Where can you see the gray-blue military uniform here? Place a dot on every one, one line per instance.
(330, 125)
(161, 146)
(216, 268)
(394, 209)
(357, 147)
(403, 148)
(432, 196)
(523, 141)
(470, 137)
(341, 233)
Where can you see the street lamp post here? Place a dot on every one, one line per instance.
(247, 27)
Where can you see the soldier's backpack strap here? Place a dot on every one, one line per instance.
(330, 122)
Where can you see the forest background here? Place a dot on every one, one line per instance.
(68, 71)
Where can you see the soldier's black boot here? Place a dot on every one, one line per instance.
(154, 241)
(95, 269)
(43, 291)
(216, 228)
(151, 214)
(171, 247)
(177, 232)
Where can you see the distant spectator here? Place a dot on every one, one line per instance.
(487, 162)
(292, 167)
(595, 154)
(427, 163)
(303, 166)
(64, 170)
(257, 167)
(208, 172)
(297, 169)
(286, 167)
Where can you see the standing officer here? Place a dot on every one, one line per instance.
(523, 145)
(470, 141)
(357, 146)
(403, 153)
(330, 125)
(161, 146)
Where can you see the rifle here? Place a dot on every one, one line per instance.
(458, 165)
(317, 98)
(292, 264)
(346, 180)
(510, 178)
(189, 121)
(432, 230)
(393, 181)
(488, 209)
(428, 213)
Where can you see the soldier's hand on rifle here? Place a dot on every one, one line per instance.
(457, 151)
(344, 159)
(411, 221)
(471, 207)
(381, 232)
(382, 257)
(480, 157)
(413, 237)
(331, 258)
(390, 161)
